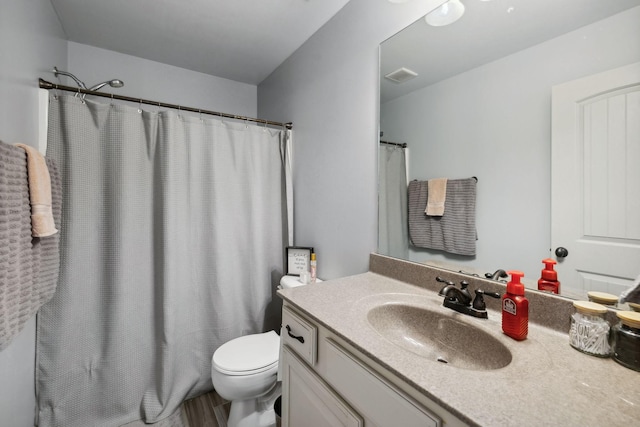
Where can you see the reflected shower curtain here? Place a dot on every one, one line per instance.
(393, 231)
(171, 244)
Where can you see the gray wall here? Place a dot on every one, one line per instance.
(329, 89)
(494, 122)
(160, 82)
(31, 42)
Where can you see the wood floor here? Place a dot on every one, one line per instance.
(207, 410)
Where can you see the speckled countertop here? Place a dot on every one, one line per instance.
(546, 383)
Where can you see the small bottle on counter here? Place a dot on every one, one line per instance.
(589, 332)
(626, 337)
(515, 308)
(314, 267)
(549, 278)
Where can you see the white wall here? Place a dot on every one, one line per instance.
(329, 89)
(31, 42)
(159, 82)
(494, 122)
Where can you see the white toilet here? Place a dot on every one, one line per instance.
(244, 371)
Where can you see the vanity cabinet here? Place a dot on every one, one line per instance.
(327, 383)
(309, 401)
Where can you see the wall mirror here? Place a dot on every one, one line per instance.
(474, 98)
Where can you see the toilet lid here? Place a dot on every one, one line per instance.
(248, 353)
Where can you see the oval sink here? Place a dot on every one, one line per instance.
(438, 337)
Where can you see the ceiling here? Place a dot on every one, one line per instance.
(488, 30)
(241, 40)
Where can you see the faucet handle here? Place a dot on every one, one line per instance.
(445, 281)
(478, 302)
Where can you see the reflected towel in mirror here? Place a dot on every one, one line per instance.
(437, 194)
(455, 231)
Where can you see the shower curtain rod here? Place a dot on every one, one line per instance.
(397, 144)
(48, 85)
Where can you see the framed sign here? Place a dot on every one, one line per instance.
(298, 260)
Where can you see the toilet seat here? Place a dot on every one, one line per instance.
(248, 355)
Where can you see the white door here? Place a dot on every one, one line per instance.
(595, 178)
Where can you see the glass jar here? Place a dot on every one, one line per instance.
(626, 333)
(589, 331)
(603, 298)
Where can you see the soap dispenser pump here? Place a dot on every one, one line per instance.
(549, 278)
(515, 308)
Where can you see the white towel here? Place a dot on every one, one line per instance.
(42, 223)
(437, 196)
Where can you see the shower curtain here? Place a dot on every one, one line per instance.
(171, 244)
(393, 232)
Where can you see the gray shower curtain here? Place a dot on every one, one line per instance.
(393, 231)
(171, 244)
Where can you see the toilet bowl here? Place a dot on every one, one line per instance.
(244, 371)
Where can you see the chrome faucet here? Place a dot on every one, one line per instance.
(459, 299)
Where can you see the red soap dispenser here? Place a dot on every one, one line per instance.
(549, 279)
(515, 308)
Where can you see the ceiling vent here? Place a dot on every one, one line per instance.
(401, 75)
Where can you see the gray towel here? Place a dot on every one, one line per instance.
(455, 231)
(632, 294)
(28, 266)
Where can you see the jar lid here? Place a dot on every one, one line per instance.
(630, 318)
(602, 298)
(588, 307)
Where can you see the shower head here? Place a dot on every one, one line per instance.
(79, 82)
(112, 83)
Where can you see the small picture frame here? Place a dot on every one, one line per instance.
(298, 260)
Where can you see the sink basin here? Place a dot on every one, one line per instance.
(438, 337)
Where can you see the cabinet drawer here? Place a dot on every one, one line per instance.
(300, 335)
(371, 394)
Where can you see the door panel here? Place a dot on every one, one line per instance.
(595, 195)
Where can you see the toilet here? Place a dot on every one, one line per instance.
(244, 371)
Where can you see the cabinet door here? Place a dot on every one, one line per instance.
(307, 401)
(374, 396)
